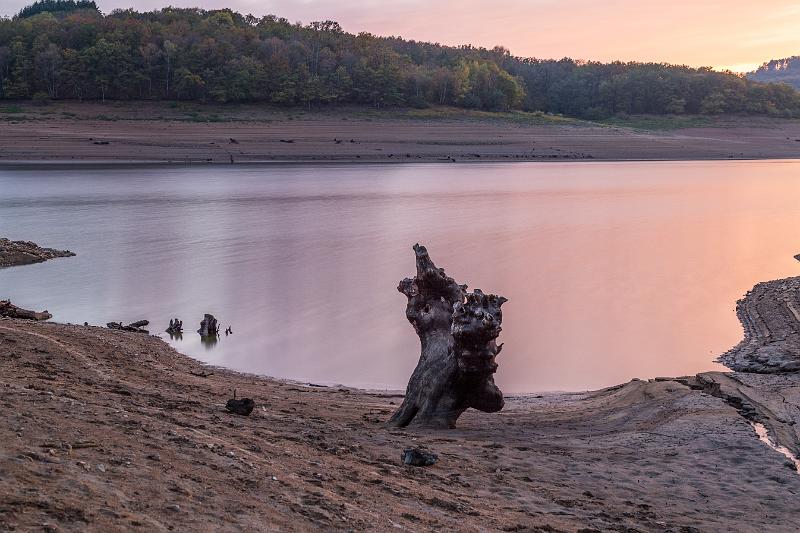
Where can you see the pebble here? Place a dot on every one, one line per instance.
(174, 507)
(101, 467)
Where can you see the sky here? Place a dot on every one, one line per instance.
(734, 34)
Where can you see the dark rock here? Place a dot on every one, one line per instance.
(242, 407)
(417, 457)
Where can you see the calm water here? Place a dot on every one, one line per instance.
(613, 270)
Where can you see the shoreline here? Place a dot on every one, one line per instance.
(94, 416)
(148, 134)
(71, 163)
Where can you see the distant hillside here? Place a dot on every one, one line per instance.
(67, 49)
(785, 70)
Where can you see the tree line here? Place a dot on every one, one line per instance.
(68, 49)
(786, 70)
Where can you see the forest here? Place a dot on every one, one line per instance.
(68, 49)
(786, 70)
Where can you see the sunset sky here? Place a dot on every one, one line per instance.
(735, 34)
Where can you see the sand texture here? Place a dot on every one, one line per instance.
(148, 133)
(107, 430)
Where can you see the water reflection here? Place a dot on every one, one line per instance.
(208, 341)
(614, 270)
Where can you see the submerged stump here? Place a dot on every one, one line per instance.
(457, 331)
(208, 326)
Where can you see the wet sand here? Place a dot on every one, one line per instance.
(158, 134)
(107, 430)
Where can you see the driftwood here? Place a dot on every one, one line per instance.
(9, 310)
(208, 326)
(457, 330)
(137, 326)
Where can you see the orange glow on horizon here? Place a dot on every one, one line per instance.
(725, 34)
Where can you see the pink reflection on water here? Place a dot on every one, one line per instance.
(612, 270)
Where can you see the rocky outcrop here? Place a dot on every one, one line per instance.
(13, 253)
(770, 316)
(457, 331)
(9, 310)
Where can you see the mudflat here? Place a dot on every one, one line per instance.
(160, 133)
(107, 430)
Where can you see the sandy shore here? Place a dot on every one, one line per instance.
(152, 133)
(107, 431)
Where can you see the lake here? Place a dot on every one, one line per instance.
(613, 270)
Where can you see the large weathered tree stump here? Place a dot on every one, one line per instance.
(457, 331)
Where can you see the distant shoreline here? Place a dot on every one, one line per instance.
(89, 164)
(122, 133)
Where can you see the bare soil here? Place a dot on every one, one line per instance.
(107, 430)
(152, 132)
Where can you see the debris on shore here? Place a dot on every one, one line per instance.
(13, 253)
(137, 326)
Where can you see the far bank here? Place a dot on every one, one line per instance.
(148, 132)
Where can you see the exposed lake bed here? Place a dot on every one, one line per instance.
(142, 432)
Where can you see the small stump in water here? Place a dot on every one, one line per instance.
(208, 326)
(457, 330)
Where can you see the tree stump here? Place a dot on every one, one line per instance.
(208, 326)
(457, 331)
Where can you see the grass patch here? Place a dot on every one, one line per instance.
(522, 118)
(659, 122)
(197, 117)
(11, 109)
